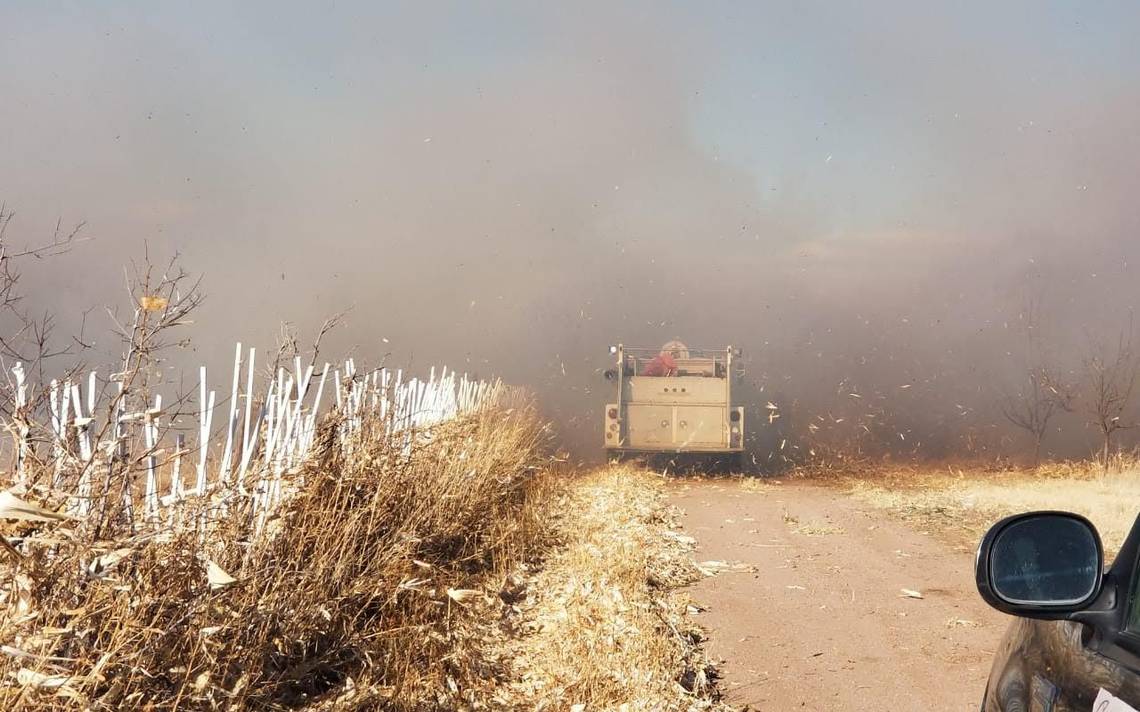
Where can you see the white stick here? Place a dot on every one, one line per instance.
(227, 457)
(82, 425)
(150, 439)
(296, 428)
(246, 439)
(91, 395)
(22, 429)
(205, 410)
(176, 473)
(312, 426)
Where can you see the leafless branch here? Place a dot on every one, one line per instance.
(1110, 375)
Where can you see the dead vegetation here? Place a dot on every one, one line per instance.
(1032, 406)
(960, 502)
(1111, 374)
(602, 625)
(356, 600)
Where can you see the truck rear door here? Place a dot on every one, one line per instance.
(699, 426)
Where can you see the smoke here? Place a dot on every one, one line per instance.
(864, 199)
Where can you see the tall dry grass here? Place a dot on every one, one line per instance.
(964, 500)
(356, 600)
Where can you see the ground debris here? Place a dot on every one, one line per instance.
(602, 624)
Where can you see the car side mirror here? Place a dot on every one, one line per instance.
(1045, 565)
(611, 374)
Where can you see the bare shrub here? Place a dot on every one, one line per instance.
(1110, 373)
(27, 335)
(1041, 396)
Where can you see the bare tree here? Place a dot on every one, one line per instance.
(1110, 376)
(161, 301)
(26, 336)
(1031, 407)
(55, 447)
(1041, 394)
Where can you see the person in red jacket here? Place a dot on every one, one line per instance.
(662, 364)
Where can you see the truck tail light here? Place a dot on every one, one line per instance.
(734, 416)
(612, 413)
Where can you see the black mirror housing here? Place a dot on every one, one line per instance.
(1044, 565)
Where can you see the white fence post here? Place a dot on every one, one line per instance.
(269, 459)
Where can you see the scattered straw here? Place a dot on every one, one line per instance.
(602, 625)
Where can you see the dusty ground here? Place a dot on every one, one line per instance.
(821, 622)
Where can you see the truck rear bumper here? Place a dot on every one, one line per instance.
(674, 451)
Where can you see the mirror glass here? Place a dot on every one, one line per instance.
(1047, 559)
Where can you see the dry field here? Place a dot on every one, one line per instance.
(960, 502)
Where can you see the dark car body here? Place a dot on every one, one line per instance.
(1066, 657)
(1047, 666)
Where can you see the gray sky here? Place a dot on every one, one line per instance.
(853, 191)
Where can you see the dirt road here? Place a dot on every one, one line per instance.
(821, 621)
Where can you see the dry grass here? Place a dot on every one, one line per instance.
(602, 626)
(362, 598)
(963, 501)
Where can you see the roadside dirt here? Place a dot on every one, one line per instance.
(818, 620)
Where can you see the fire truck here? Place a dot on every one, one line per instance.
(674, 400)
